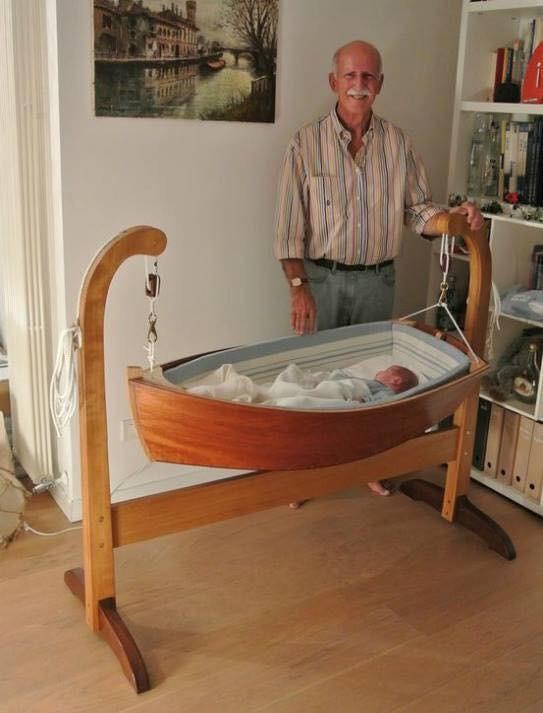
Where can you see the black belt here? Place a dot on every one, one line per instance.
(333, 265)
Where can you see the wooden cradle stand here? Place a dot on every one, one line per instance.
(107, 525)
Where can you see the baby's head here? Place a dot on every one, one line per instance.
(397, 378)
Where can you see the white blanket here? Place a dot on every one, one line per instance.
(298, 388)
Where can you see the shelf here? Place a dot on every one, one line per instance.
(512, 405)
(507, 491)
(523, 320)
(501, 107)
(516, 221)
(517, 7)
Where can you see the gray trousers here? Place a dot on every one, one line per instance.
(351, 297)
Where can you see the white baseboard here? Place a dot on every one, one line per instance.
(157, 478)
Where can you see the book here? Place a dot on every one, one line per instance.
(494, 437)
(508, 447)
(481, 433)
(500, 53)
(533, 167)
(522, 453)
(492, 75)
(534, 475)
(522, 155)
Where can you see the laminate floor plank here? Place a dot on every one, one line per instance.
(354, 603)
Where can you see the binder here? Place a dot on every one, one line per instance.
(481, 433)
(522, 455)
(508, 447)
(493, 440)
(534, 476)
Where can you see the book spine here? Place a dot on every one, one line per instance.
(481, 433)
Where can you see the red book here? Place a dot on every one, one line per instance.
(532, 87)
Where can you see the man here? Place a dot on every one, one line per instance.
(349, 182)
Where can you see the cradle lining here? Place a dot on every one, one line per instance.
(434, 361)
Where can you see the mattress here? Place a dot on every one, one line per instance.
(371, 347)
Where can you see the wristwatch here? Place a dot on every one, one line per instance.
(297, 281)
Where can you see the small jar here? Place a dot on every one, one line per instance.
(526, 383)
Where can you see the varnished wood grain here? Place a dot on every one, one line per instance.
(182, 509)
(178, 427)
(5, 405)
(98, 553)
(114, 631)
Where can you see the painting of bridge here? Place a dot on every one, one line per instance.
(203, 59)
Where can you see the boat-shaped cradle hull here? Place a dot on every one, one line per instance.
(177, 427)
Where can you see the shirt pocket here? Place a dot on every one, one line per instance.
(327, 206)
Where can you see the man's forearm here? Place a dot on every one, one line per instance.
(430, 227)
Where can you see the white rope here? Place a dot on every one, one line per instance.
(446, 250)
(63, 385)
(444, 306)
(494, 324)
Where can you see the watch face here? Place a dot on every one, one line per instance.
(296, 281)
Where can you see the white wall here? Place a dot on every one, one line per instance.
(211, 185)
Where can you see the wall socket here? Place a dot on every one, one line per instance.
(128, 430)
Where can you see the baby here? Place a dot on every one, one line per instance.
(398, 378)
(338, 389)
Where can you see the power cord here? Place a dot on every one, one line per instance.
(28, 528)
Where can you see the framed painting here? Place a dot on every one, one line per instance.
(206, 59)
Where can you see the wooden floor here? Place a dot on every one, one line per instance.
(352, 604)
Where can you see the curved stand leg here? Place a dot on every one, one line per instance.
(466, 514)
(115, 632)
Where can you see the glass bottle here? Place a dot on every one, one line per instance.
(491, 153)
(525, 384)
(477, 155)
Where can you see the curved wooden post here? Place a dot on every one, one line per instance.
(99, 580)
(480, 276)
(465, 417)
(453, 501)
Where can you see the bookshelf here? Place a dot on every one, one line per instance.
(486, 26)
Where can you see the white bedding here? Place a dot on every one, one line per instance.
(295, 387)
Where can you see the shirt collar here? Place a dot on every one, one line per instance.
(344, 134)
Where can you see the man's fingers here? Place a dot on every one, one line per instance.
(303, 321)
(311, 322)
(302, 313)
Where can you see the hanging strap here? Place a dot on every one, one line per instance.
(152, 290)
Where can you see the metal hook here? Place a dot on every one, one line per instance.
(152, 335)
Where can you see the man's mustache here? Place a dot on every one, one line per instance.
(358, 94)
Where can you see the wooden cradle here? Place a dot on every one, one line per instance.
(304, 468)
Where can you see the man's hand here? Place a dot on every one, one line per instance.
(473, 214)
(303, 311)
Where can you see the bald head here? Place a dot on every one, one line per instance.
(357, 46)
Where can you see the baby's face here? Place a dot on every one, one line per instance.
(397, 378)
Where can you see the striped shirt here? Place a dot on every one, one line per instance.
(349, 210)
